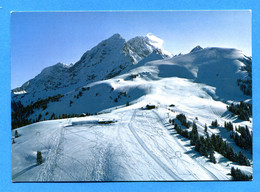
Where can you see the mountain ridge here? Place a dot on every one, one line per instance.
(220, 68)
(124, 58)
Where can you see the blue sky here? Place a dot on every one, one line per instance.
(41, 39)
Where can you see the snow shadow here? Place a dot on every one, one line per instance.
(75, 123)
(174, 71)
(23, 171)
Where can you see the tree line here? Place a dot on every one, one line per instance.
(243, 110)
(207, 146)
(242, 136)
(244, 139)
(20, 113)
(238, 175)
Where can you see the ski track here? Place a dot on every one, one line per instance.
(197, 162)
(46, 173)
(129, 157)
(150, 153)
(166, 152)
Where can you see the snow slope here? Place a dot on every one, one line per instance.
(216, 67)
(140, 144)
(137, 147)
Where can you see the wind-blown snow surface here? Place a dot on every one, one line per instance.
(140, 144)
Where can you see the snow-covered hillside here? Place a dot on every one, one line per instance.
(139, 144)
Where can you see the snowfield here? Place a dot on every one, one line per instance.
(125, 141)
(140, 145)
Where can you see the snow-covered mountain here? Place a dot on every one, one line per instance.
(220, 68)
(106, 60)
(116, 80)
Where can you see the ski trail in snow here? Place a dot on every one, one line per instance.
(213, 110)
(104, 167)
(46, 173)
(169, 151)
(128, 157)
(150, 153)
(197, 162)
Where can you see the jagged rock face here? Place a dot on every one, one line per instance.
(140, 47)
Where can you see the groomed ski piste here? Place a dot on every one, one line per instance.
(138, 144)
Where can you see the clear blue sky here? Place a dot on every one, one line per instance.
(41, 39)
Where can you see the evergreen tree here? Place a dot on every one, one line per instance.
(203, 150)
(232, 154)
(197, 145)
(212, 158)
(214, 123)
(194, 136)
(206, 128)
(238, 175)
(243, 110)
(16, 134)
(39, 158)
(182, 118)
(242, 159)
(244, 140)
(39, 117)
(228, 126)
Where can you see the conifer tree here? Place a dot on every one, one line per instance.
(238, 175)
(206, 128)
(212, 158)
(16, 134)
(39, 158)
